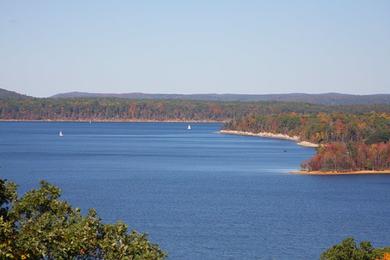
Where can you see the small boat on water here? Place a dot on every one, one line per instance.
(60, 133)
(189, 127)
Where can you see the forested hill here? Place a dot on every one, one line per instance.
(321, 99)
(14, 106)
(6, 94)
(324, 99)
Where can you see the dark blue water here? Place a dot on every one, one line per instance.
(199, 194)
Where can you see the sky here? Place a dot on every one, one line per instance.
(200, 46)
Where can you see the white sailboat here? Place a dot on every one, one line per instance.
(60, 133)
(189, 127)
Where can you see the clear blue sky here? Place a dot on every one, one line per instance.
(196, 46)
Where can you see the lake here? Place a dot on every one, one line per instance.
(197, 193)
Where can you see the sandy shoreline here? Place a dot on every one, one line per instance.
(271, 135)
(366, 172)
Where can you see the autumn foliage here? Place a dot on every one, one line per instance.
(354, 156)
(320, 127)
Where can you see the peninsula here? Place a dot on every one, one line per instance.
(345, 143)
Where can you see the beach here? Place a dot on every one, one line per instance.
(271, 135)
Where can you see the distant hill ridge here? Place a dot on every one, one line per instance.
(324, 99)
(6, 94)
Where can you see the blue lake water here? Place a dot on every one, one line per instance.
(198, 194)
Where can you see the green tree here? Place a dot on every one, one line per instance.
(41, 226)
(348, 250)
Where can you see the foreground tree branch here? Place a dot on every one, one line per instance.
(39, 225)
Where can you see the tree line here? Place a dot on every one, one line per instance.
(159, 110)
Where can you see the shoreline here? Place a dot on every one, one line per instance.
(361, 172)
(111, 121)
(271, 135)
